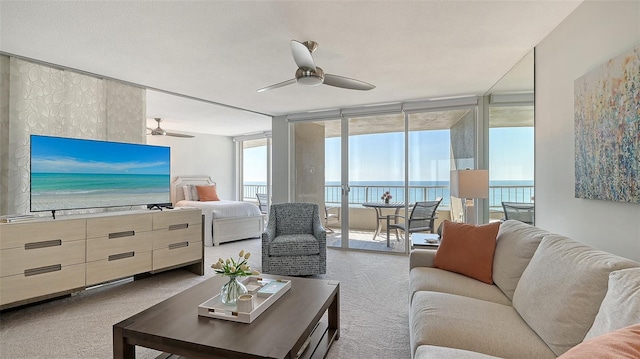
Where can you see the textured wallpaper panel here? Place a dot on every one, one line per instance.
(4, 131)
(48, 101)
(83, 112)
(126, 112)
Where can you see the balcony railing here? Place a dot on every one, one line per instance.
(361, 194)
(249, 191)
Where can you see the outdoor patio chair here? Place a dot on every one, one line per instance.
(262, 202)
(421, 219)
(328, 216)
(294, 242)
(523, 212)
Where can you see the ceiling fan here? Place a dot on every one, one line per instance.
(308, 74)
(160, 132)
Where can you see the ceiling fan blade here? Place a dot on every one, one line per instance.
(284, 83)
(175, 134)
(347, 83)
(302, 55)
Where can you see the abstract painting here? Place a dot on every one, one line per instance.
(607, 130)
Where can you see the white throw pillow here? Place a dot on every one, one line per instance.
(194, 193)
(621, 306)
(187, 192)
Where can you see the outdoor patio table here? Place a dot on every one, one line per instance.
(379, 206)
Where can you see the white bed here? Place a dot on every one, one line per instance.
(224, 220)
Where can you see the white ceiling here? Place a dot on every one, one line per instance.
(221, 52)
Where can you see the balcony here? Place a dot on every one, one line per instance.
(362, 220)
(372, 193)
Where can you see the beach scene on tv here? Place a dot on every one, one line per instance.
(71, 173)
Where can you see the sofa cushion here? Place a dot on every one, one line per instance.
(516, 243)
(621, 305)
(623, 343)
(561, 289)
(294, 245)
(438, 280)
(454, 321)
(468, 249)
(431, 352)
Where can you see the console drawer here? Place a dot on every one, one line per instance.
(177, 253)
(163, 237)
(119, 226)
(120, 266)
(16, 235)
(46, 253)
(176, 218)
(103, 247)
(20, 287)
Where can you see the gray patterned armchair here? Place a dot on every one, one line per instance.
(294, 242)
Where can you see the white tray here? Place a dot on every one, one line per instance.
(214, 308)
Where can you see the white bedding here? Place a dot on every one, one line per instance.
(223, 221)
(224, 208)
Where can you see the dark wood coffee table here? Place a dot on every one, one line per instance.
(174, 326)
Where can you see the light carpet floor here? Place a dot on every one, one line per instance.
(374, 309)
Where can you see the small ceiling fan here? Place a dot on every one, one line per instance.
(308, 74)
(160, 132)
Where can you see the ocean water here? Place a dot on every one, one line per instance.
(371, 191)
(79, 183)
(77, 190)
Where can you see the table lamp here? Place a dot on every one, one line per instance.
(469, 184)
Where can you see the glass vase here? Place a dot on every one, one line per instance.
(231, 291)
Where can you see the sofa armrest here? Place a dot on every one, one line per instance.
(421, 258)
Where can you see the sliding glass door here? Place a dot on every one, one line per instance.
(511, 161)
(350, 165)
(376, 172)
(255, 171)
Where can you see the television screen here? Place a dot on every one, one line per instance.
(69, 173)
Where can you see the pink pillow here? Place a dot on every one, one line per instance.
(468, 249)
(620, 344)
(207, 193)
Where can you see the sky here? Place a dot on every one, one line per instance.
(380, 157)
(68, 155)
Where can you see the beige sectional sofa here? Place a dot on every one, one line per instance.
(549, 294)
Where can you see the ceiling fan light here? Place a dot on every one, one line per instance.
(309, 77)
(310, 80)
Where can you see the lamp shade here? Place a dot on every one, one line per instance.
(470, 183)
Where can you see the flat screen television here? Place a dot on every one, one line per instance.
(71, 173)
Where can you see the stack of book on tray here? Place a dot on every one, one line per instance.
(15, 218)
(265, 287)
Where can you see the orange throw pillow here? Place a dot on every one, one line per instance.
(468, 249)
(620, 344)
(207, 193)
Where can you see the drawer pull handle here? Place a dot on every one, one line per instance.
(122, 234)
(115, 257)
(179, 245)
(178, 226)
(42, 270)
(43, 244)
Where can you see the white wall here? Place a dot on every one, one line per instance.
(209, 155)
(594, 33)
